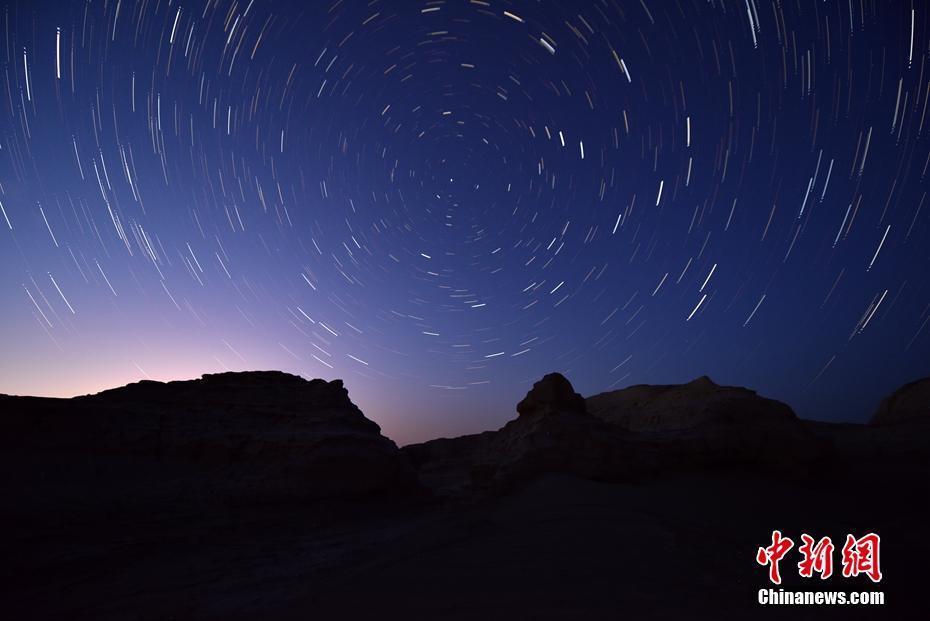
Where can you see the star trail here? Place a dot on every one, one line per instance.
(441, 201)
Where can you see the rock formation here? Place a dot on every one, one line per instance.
(242, 437)
(620, 435)
(553, 394)
(232, 437)
(702, 422)
(553, 433)
(908, 404)
(204, 499)
(684, 406)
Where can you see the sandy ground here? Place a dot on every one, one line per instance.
(678, 547)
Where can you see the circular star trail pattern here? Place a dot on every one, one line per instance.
(440, 201)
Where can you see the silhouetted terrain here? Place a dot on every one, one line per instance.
(262, 495)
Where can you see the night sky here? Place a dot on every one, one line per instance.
(441, 201)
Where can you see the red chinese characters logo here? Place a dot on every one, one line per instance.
(859, 556)
(817, 557)
(773, 554)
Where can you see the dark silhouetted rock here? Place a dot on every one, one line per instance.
(552, 441)
(552, 434)
(703, 423)
(552, 394)
(445, 465)
(620, 435)
(561, 547)
(908, 404)
(684, 406)
(231, 437)
(98, 521)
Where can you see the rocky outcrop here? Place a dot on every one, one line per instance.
(553, 433)
(242, 437)
(685, 406)
(446, 465)
(233, 437)
(98, 521)
(908, 404)
(621, 435)
(703, 423)
(553, 394)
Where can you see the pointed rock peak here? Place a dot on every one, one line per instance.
(703, 382)
(553, 393)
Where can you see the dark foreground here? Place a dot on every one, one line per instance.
(182, 526)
